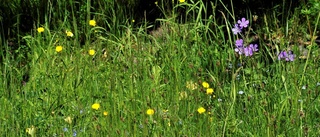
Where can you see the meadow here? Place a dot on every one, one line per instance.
(239, 75)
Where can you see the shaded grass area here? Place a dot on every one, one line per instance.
(50, 92)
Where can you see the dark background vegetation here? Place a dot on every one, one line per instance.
(21, 17)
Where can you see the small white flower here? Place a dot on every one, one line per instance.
(238, 77)
(304, 87)
(219, 100)
(240, 92)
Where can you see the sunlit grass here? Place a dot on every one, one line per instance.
(181, 79)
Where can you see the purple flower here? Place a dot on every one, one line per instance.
(65, 129)
(288, 56)
(239, 50)
(236, 29)
(74, 133)
(243, 23)
(283, 54)
(239, 43)
(248, 51)
(254, 47)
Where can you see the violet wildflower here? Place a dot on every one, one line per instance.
(239, 46)
(239, 43)
(236, 29)
(240, 50)
(243, 23)
(248, 51)
(74, 133)
(65, 129)
(282, 54)
(288, 56)
(254, 47)
(291, 56)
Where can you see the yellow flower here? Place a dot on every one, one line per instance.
(95, 106)
(133, 21)
(165, 110)
(92, 23)
(92, 52)
(156, 2)
(31, 131)
(40, 29)
(69, 33)
(201, 110)
(68, 119)
(181, 1)
(191, 85)
(183, 95)
(209, 91)
(150, 112)
(105, 113)
(205, 84)
(58, 48)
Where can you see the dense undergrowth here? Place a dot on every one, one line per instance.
(224, 75)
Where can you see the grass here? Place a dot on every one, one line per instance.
(133, 70)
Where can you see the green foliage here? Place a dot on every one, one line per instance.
(46, 91)
(311, 11)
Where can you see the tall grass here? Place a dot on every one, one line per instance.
(132, 70)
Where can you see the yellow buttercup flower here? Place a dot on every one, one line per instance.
(92, 52)
(133, 21)
(68, 119)
(95, 106)
(105, 113)
(92, 23)
(31, 131)
(59, 48)
(201, 110)
(40, 29)
(69, 33)
(181, 1)
(205, 84)
(150, 112)
(209, 91)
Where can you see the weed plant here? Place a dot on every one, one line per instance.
(181, 79)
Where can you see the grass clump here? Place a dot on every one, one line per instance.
(194, 77)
